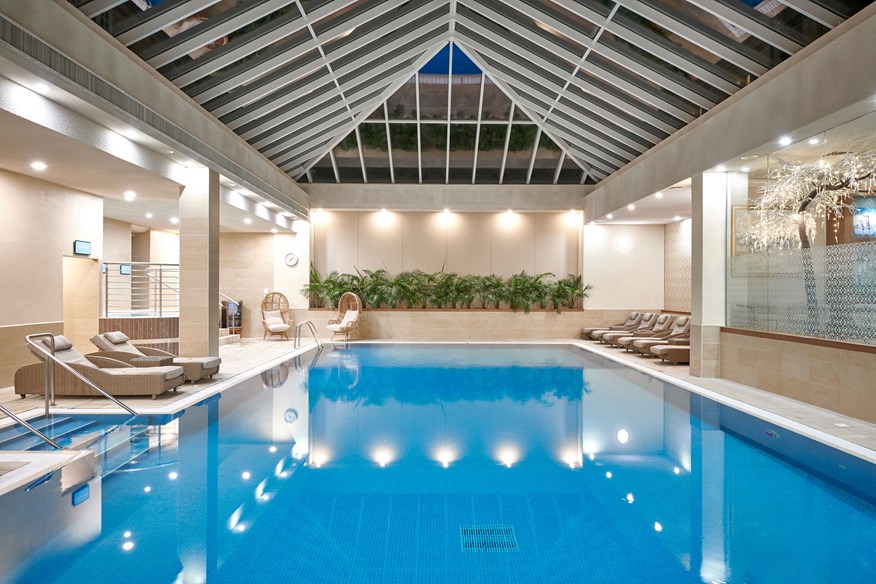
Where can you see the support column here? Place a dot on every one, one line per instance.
(708, 280)
(199, 264)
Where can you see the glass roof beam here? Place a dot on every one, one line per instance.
(509, 90)
(754, 23)
(388, 143)
(643, 38)
(150, 21)
(335, 165)
(534, 155)
(815, 11)
(210, 30)
(689, 30)
(246, 74)
(651, 71)
(98, 7)
(559, 166)
(264, 87)
(373, 74)
(300, 148)
(368, 107)
(507, 142)
(477, 144)
(535, 64)
(515, 64)
(607, 162)
(361, 155)
(576, 119)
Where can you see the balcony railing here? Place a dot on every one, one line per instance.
(132, 289)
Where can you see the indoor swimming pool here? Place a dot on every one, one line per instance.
(445, 463)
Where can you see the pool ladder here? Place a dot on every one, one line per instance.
(312, 332)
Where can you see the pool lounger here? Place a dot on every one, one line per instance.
(640, 345)
(662, 326)
(646, 326)
(116, 345)
(632, 321)
(648, 316)
(675, 354)
(114, 377)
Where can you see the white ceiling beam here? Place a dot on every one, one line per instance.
(753, 23)
(98, 7)
(209, 31)
(815, 11)
(158, 17)
(695, 35)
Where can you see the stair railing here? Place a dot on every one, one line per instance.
(31, 429)
(50, 372)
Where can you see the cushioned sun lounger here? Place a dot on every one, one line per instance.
(114, 377)
(116, 345)
(662, 327)
(642, 318)
(675, 354)
(681, 329)
(645, 326)
(632, 320)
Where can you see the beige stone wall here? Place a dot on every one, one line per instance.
(625, 265)
(38, 224)
(836, 379)
(13, 350)
(81, 301)
(465, 243)
(467, 325)
(246, 270)
(676, 266)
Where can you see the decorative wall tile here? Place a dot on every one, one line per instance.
(676, 266)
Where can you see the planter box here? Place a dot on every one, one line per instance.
(466, 325)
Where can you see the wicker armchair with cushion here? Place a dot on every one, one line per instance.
(116, 345)
(349, 310)
(275, 316)
(114, 377)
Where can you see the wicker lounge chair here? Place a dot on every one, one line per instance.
(648, 322)
(275, 316)
(632, 320)
(663, 325)
(681, 329)
(116, 345)
(676, 354)
(638, 322)
(349, 311)
(114, 377)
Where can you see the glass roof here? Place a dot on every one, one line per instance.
(535, 91)
(451, 124)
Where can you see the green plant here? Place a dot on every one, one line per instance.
(376, 289)
(444, 290)
(315, 290)
(491, 291)
(466, 290)
(526, 290)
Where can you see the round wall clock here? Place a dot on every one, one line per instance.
(291, 259)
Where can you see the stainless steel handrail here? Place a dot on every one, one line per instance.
(30, 428)
(50, 357)
(312, 331)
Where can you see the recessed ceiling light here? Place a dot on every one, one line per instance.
(749, 157)
(677, 217)
(274, 230)
(814, 141)
(41, 88)
(785, 141)
(658, 194)
(247, 220)
(610, 216)
(721, 168)
(166, 151)
(149, 215)
(745, 169)
(631, 207)
(174, 220)
(130, 196)
(38, 165)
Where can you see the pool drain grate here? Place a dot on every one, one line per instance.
(488, 538)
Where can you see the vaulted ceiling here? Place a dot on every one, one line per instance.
(589, 84)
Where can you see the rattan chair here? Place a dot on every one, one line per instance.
(349, 311)
(275, 316)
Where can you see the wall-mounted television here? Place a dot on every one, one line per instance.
(81, 247)
(125, 269)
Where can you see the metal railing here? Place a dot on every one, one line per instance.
(140, 289)
(50, 372)
(312, 331)
(30, 428)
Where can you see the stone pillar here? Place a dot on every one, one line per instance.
(199, 264)
(708, 261)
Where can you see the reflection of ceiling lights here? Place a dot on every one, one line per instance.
(623, 436)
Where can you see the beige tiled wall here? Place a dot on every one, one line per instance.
(840, 380)
(246, 269)
(468, 325)
(14, 352)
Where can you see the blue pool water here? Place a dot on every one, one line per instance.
(380, 463)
